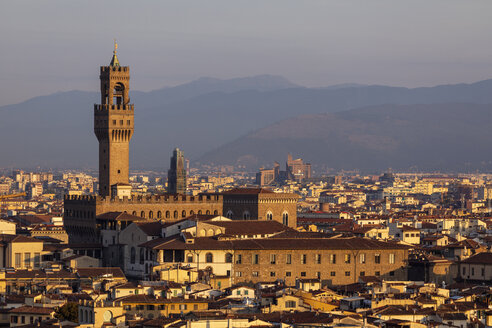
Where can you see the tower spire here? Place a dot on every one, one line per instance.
(114, 60)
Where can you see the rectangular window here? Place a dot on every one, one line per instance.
(347, 258)
(127, 307)
(303, 259)
(392, 258)
(362, 274)
(392, 273)
(256, 258)
(114, 122)
(288, 273)
(362, 258)
(27, 260)
(464, 270)
(318, 258)
(161, 307)
(150, 307)
(128, 122)
(195, 307)
(377, 258)
(18, 260)
(254, 273)
(472, 271)
(377, 273)
(239, 274)
(483, 272)
(272, 274)
(273, 258)
(183, 306)
(288, 259)
(303, 274)
(238, 292)
(318, 275)
(347, 273)
(333, 273)
(121, 122)
(239, 259)
(246, 292)
(37, 260)
(333, 258)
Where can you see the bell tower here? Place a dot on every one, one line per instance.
(113, 125)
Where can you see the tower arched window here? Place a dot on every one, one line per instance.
(183, 214)
(142, 214)
(269, 216)
(134, 213)
(142, 255)
(175, 214)
(246, 215)
(285, 218)
(168, 214)
(151, 215)
(229, 214)
(132, 255)
(208, 212)
(159, 214)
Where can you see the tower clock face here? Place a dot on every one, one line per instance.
(107, 316)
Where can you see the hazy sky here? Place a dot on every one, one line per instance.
(49, 46)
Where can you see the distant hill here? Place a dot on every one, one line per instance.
(417, 137)
(56, 130)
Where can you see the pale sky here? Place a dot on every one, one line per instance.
(50, 46)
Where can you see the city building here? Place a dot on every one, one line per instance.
(176, 176)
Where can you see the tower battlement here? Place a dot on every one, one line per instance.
(104, 108)
(107, 69)
(154, 199)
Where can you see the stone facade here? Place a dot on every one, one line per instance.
(113, 126)
(81, 211)
(261, 204)
(317, 264)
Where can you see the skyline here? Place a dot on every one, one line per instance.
(55, 46)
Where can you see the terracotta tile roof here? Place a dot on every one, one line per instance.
(211, 243)
(100, 272)
(118, 216)
(150, 228)
(32, 309)
(480, 258)
(242, 227)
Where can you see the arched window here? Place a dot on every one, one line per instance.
(183, 214)
(168, 214)
(209, 258)
(210, 232)
(175, 214)
(246, 215)
(228, 258)
(90, 317)
(142, 214)
(269, 216)
(203, 233)
(159, 214)
(132, 255)
(86, 315)
(285, 218)
(151, 215)
(208, 212)
(199, 212)
(134, 213)
(192, 212)
(216, 212)
(218, 232)
(142, 255)
(229, 214)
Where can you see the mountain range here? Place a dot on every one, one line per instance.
(256, 120)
